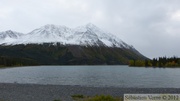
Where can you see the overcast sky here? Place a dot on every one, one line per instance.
(151, 26)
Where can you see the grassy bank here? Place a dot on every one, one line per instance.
(80, 97)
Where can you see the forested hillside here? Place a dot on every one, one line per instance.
(57, 54)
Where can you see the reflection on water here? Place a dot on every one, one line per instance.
(98, 76)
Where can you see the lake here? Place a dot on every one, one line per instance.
(93, 76)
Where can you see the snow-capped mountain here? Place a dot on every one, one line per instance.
(9, 36)
(88, 35)
(72, 50)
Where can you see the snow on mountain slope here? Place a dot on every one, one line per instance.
(46, 34)
(106, 38)
(9, 36)
(88, 35)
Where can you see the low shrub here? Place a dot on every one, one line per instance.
(95, 98)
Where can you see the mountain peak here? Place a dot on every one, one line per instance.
(87, 27)
(9, 31)
(52, 26)
(90, 25)
(9, 34)
(49, 25)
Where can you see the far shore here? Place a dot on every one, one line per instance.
(36, 92)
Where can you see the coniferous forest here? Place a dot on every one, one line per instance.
(157, 62)
(9, 61)
(57, 54)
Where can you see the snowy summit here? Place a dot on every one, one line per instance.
(87, 35)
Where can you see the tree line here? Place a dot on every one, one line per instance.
(10, 61)
(157, 62)
(58, 54)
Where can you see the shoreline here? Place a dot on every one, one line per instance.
(38, 92)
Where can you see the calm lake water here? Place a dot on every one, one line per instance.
(95, 76)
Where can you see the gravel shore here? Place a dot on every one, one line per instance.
(35, 92)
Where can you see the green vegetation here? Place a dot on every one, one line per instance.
(77, 96)
(161, 62)
(96, 98)
(11, 61)
(57, 54)
(56, 100)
